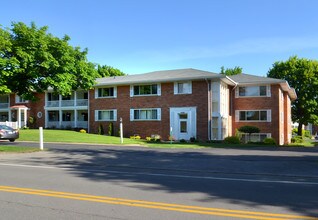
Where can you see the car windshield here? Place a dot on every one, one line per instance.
(5, 127)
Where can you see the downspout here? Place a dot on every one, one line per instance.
(209, 108)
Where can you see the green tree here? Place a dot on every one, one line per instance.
(107, 71)
(6, 64)
(231, 71)
(32, 60)
(302, 75)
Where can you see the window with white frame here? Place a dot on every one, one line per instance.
(106, 115)
(145, 90)
(149, 114)
(19, 99)
(254, 137)
(253, 115)
(183, 87)
(253, 91)
(106, 92)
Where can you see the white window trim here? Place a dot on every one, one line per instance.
(268, 91)
(115, 114)
(175, 88)
(269, 115)
(106, 97)
(158, 89)
(158, 114)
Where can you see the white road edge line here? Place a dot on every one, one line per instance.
(165, 175)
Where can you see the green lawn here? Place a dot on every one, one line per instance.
(15, 149)
(77, 137)
(71, 137)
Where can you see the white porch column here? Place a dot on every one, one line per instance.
(19, 117)
(75, 118)
(60, 118)
(25, 118)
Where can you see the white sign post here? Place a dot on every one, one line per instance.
(41, 137)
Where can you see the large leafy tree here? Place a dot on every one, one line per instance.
(231, 71)
(301, 74)
(32, 60)
(107, 71)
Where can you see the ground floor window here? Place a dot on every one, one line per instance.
(53, 115)
(106, 115)
(145, 114)
(256, 137)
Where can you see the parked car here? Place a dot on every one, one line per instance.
(8, 133)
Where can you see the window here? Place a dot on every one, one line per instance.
(144, 90)
(258, 115)
(52, 97)
(107, 92)
(255, 137)
(106, 115)
(19, 99)
(182, 88)
(253, 91)
(145, 114)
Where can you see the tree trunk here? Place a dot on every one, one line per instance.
(300, 129)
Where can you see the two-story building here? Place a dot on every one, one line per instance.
(183, 103)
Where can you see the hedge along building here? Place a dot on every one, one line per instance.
(184, 103)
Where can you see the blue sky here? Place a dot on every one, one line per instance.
(138, 36)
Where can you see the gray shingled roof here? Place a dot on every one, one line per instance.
(251, 79)
(246, 79)
(159, 76)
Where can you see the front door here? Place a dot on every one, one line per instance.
(183, 123)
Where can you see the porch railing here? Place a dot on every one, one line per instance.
(67, 103)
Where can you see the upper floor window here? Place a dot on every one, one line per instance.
(53, 97)
(253, 115)
(107, 92)
(145, 90)
(183, 87)
(19, 99)
(106, 115)
(145, 114)
(253, 91)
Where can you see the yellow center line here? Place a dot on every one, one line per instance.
(155, 205)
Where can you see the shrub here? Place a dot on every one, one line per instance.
(297, 139)
(231, 140)
(111, 129)
(136, 137)
(182, 141)
(101, 130)
(306, 133)
(249, 129)
(82, 131)
(192, 139)
(269, 141)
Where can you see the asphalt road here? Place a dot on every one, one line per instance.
(108, 182)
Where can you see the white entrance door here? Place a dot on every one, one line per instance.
(183, 123)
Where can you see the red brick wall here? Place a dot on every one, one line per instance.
(123, 103)
(34, 108)
(258, 103)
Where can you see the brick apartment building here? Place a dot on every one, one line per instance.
(185, 103)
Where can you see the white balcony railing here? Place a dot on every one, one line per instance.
(67, 103)
(67, 124)
(4, 105)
